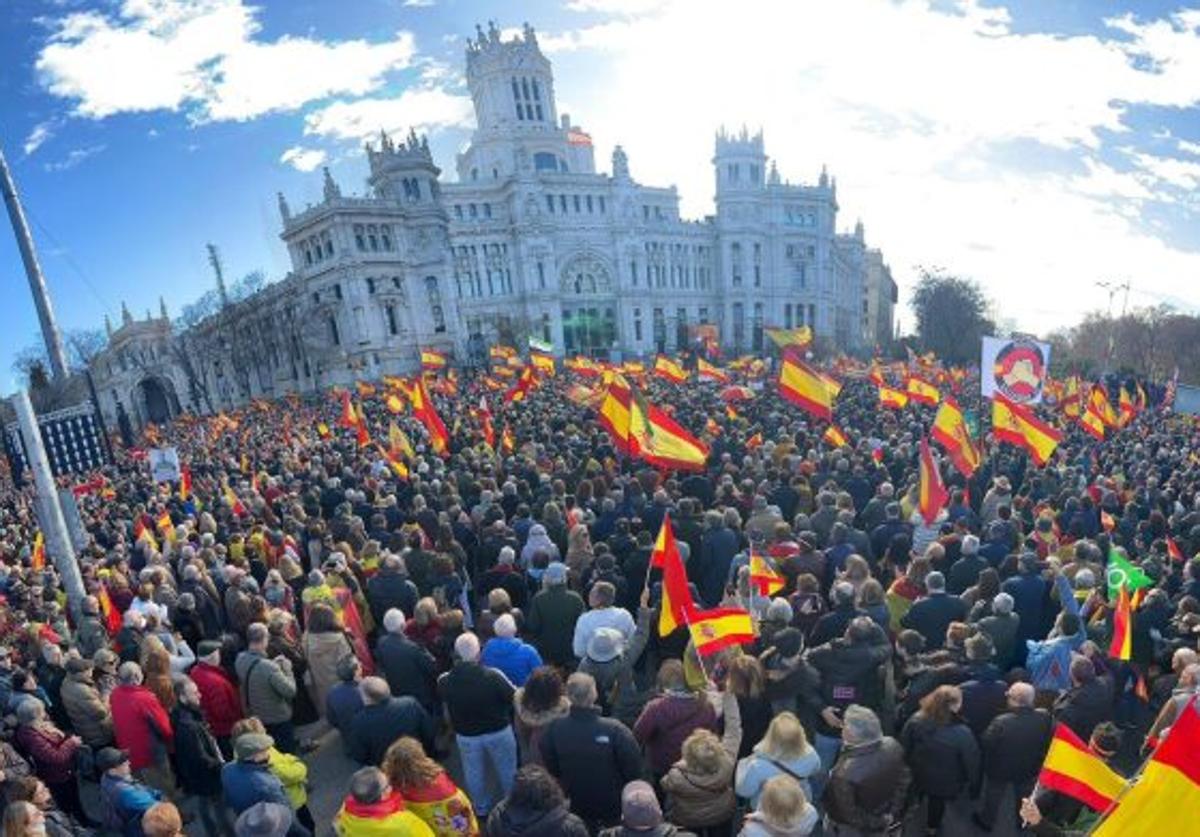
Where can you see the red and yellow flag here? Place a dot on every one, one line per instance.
(1092, 422)
(394, 404)
(424, 412)
(395, 463)
(1169, 786)
(834, 436)
(1121, 646)
(711, 372)
(508, 442)
(165, 526)
(951, 432)
(754, 442)
(1074, 770)
(763, 576)
(659, 440)
(185, 483)
(720, 628)
(542, 361)
(398, 444)
(614, 411)
(1098, 401)
(669, 370)
(37, 557)
(893, 399)
(525, 384)
(322, 430)
(1126, 406)
(805, 387)
(235, 504)
(348, 419)
(1017, 425)
(932, 493)
(432, 359)
(485, 416)
(365, 390)
(922, 391)
(787, 337)
(676, 601)
(112, 616)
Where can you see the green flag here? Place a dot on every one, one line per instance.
(1122, 571)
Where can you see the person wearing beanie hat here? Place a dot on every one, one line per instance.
(552, 615)
(249, 779)
(508, 653)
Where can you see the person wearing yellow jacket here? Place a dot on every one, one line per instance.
(375, 809)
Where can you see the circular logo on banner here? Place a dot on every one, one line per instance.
(1116, 577)
(1019, 370)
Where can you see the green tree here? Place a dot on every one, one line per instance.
(951, 316)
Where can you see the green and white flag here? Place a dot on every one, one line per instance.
(1121, 571)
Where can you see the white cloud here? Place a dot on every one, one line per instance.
(1189, 147)
(422, 109)
(908, 111)
(203, 55)
(74, 158)
(1183, 174)
(40, 133)
(303, 159)
(418, 4)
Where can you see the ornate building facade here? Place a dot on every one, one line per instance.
(529, 240)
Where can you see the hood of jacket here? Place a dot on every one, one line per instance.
(517, 820)
(541, 717)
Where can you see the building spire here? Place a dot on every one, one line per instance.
(162, 308)
(126, 317)
(214, 259)
(332, 192)
(285, 212)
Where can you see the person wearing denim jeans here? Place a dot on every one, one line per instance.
(479, 702)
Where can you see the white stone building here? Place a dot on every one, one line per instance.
(530, 240)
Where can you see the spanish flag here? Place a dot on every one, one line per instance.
(835, 437)
(185, 482)
(322, 430)
(235, 505)
(710, 372)
(165, 526)
(1092, 422)
(524, 385)
(424, 412)
(432, 359)
(365, 390)
(950, 431)
(37, 557)
(633, 367)
(676, 601)
(1072, 769)
(763, 576)
(720, 628)
(542, 361)
(1121, 646)
(360, 429)
(485, 415)
(669, 370)
(394, 462)
(614, 411)
(1174, 551)
(786, 337)
(501, 352)
(659, 440)
(893, 399)
(805, 387)
(112, 616)
(1167, 793)
(932, 493)
(1127, 407)
(1141, 397)
(1098, 401)
(1017, 425)
(583, 365)
(394, 404)
(754, 442)
(508, 442)
(348, 419)
(922, 392)
(1071, 398)
(398, 443)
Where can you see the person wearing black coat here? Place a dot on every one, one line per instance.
(535, 807)
(965, 571)
(408, 668)
(983, 685)
(592, 757)
(198, 760)
(1014, 746)
(941, 752)
(1087, 702)
(391, 588)
(931, 615)
(383, 719)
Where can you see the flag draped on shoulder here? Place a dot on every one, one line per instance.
(676, 601)
(805, 387)
(932, 492)
(1072, 769)
(951, 432)
(1167, 793)
(1017, 425)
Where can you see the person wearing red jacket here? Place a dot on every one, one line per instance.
(220, 702)
(142, 729)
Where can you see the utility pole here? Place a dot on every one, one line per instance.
(33, 272)
(214, 258)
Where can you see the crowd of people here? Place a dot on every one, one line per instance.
(482, 634)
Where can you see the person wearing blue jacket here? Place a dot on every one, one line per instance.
(513, 657)
(1049, 660)
(125, 800)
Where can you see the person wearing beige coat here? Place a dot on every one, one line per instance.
(699, 787)
(324, 644)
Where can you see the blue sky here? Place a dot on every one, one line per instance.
(1037, 145)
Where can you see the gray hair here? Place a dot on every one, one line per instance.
(581, 689)
(970, 544)
(30, 710)
(935, 582)
(130, 674)
(1002, 604)
(1021, 694)
(466, 647)
(374, 690)
(393, 620)
(860, 725)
